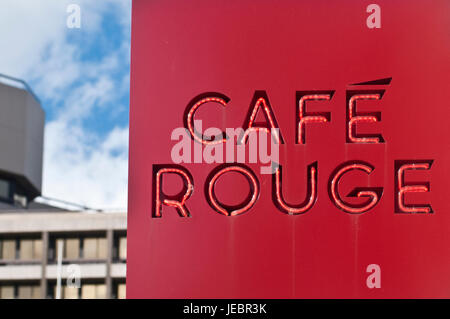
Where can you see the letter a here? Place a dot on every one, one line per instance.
(374, 20)
(74, 18)
(374, 279)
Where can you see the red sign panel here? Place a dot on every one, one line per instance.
(289, 149)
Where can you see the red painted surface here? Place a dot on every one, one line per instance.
(181, 49)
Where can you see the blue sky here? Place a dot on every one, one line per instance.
(82, 79)
(93, 48)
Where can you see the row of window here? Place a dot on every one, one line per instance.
(25, 249)
(72, 249)
(20, 292)
(88, 248)
(91, 291)
(87, 291)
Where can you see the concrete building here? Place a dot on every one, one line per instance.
(46, 251)
(94, 250)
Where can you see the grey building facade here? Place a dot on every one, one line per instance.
(21, 140)
(93, 255)
(46, 251)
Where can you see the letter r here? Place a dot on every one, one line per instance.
(177, 201)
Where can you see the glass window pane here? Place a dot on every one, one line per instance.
(7, 292)
(102, 248)
(70, 293)
(123, 248)
(101, 291)
(26, 249)
(88, 292)
(36, 292)
(72, 248)
(25, 292)
(37, 249)
(9, 249)
(121, 291)
(90, 248)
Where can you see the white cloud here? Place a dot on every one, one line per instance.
(94, 176)
(79, 166)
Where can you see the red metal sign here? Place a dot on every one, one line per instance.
(289, 149)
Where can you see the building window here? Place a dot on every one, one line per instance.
(8, 249)
(123, 248)
(7, 292)
(95, 248)
(90, 248)
(30, 249)
(66, 292)
(93, 291)
(120, 247)
(29, 292)
(70, 247)
(20, 291)
(21, 249)
(71, 293)
(89, 290)
(121, 291)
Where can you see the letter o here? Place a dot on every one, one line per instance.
(228, 210)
